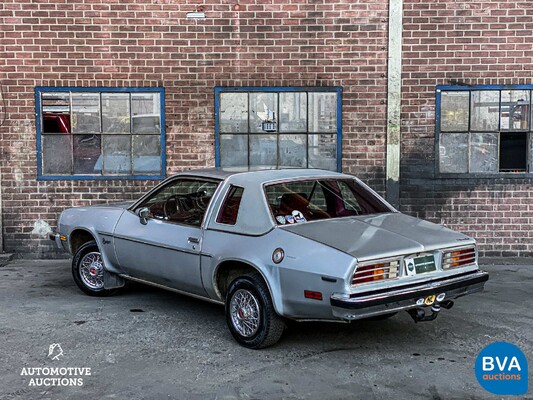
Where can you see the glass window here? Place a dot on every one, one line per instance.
(484, 110)
(515, 109)
(276, 127)
(453, 152)
(229, 210)
(310, 200)
(454, 115)
(484, 130)
(100, 133)
(182, 201)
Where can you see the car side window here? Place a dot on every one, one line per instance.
(350, 202)
(183, 201)
(229, 210)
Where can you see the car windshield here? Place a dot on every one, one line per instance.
(311, 200)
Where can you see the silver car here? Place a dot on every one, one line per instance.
(272, 246)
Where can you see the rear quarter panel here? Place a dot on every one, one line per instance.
(304, 266)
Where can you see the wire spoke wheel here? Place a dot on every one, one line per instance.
(245, 312)
(250, 313)
(92, 270)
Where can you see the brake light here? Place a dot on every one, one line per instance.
(458, 258)
(375, 272)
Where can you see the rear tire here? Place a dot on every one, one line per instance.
(88, 270)
(250, 313)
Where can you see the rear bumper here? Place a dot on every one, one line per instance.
(367, 304)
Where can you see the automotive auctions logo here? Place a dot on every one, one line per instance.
(55, 351)
(55, 376)
(501, 368)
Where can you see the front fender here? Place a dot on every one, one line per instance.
(100, 223)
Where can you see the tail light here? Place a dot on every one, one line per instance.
(459, 258)
(367, 273)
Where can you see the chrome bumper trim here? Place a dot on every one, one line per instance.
(458, 286)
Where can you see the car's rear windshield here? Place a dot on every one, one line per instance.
(311, 200)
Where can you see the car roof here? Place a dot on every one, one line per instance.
(259, 176)
(254, 216)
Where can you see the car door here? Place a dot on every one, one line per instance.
(164, 247)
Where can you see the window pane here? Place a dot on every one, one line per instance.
(454, 111)
(453, 151)
(322, 112)
(234, 112)
(484, 110)
(117, 154)
(230, 208)
(146, 112)
(57, 154)
(234, 150)
(515, 109)
(116, 112)
(182, 201)
(85, 112)
(513, 153)
(263, 112)
(292, 151)
(531, 152)
(323, 152)
(484, 152)
(350, 202)
(55, 112)
(263, 151)
(146, 154)
(293, 112)
(87, 155)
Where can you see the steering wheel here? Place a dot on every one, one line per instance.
(169, 208)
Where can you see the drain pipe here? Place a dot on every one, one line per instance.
(1, 215)
(394, 88)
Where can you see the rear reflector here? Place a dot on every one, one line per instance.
(312, 295)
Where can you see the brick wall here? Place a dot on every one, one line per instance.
(474, 42)
(151, 43)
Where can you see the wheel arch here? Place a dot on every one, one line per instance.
(78, 237)
(227, 270)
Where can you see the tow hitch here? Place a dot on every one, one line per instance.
(419, 314)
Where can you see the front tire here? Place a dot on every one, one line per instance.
(88, 270)
(250, 314)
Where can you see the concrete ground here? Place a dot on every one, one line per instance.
(146, 343)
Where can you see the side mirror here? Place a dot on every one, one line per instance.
(144, 215)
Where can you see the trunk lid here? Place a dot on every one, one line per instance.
(379, 235)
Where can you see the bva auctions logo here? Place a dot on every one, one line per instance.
(55, 351)
(501, 368)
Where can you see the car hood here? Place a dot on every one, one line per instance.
(379, 235)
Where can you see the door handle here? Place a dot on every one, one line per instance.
(193, 240)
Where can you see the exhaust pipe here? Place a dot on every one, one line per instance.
(447, 304)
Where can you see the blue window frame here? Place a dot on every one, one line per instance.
(266, 127)
(100, 133)
(484, 129)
